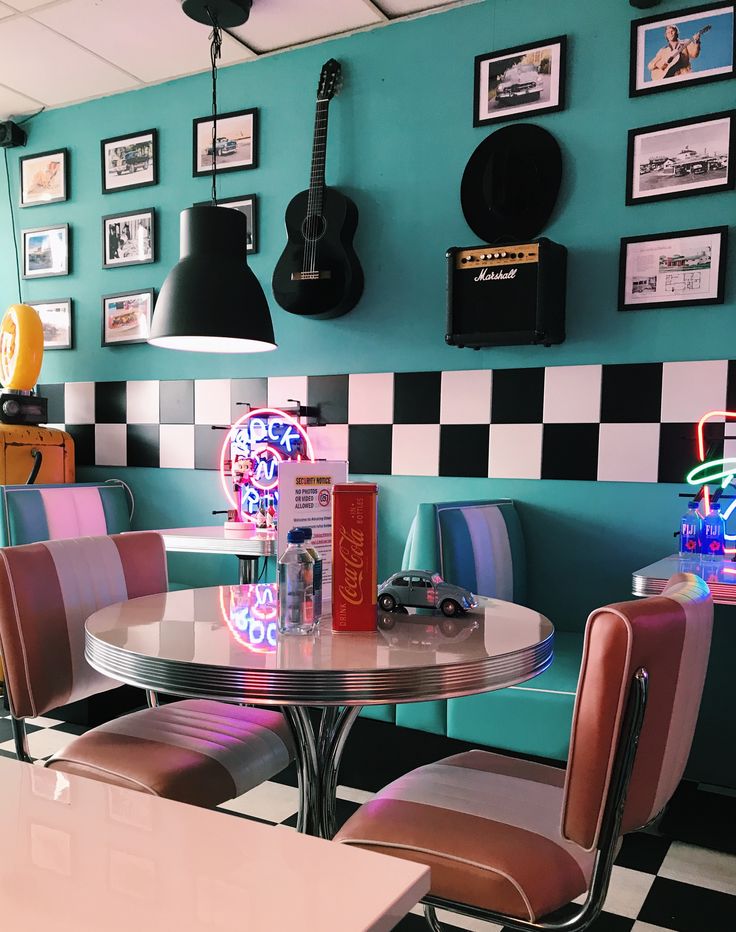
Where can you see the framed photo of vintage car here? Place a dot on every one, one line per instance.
(129, 161)
(234, 148)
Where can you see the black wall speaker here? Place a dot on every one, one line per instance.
(11, 135)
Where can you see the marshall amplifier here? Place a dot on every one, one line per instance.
(506, 295)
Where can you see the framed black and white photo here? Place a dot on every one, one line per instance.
(129, 161)
(45, 251)
(691, 46)
(519, 81)
(235, 146)
(56, 317)
(247, 204)
(677, 159)
(44, 177)
(128, 239)
(126, 317)
(679, 269)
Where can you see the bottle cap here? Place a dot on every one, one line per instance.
(307, 532)
(295, 536)
(715, 507)
(693, 505)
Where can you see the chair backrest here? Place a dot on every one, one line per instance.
(47, 592)
(669, 636)
(30, 513)
(477, 544)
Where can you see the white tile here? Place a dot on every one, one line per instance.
(176, 446)
(730, 428)
(628, 452)
(42, 743)
(572, 394)
(110, 445)
(283, 387)
(691, 389)
(280, 23)
(212, 401)
(371, 398)
(700, 867)
(627, 891)
(42, 722)
(466, 397)
(79, 403)
(13, 104)
(515, 451)
(729, 448)
(354, 795)
(272, 801)
(142, 402)
(647, 927)
(330, 442)
(415, 450)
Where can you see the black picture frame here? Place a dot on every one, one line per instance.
(146, 249)
(68, 305)
(36, 255)
(483, 76)
(138, 159)
(141, 333)
(700, 166)
(639, 55)
(30, 177)
(205, 170)
(649, 278)
(238, 203)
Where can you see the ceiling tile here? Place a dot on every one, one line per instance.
(58, 71)
(5, 10)
(280, 23)
(13, 104)
(406, 7)
(24, 5)
(153, 41)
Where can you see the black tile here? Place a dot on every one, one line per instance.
(643, 852)
(570, 451)
(54, 394)
(143, 445)
(287, 777)
(369, 448)
(631, 393)
(344, 808)
(110, 402)
(731, 386)
(686, 908)
(413, 923)
(464, 449)
(83, 436)
(329, 393)
(207, 446)
(417, 397)
(176, 401)
(517, 396)
(69, 728)
(678, 449)
(245, 392)
(702, 818)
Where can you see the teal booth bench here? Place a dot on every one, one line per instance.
(480, 545)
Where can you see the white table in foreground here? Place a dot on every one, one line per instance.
(82, 855)
(720, 575)
(247, 546)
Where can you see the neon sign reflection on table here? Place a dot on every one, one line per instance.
(251, 613)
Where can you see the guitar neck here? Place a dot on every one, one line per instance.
(319, 152)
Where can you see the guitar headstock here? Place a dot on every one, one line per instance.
(330, 80)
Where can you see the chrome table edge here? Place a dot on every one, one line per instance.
(233, 546)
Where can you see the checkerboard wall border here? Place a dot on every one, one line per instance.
(618, 423)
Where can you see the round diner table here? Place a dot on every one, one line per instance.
(223, 643)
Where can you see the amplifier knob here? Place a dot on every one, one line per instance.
(11, 407)
(496, 255)
(463, 260)
(521, 255)
(503, 255)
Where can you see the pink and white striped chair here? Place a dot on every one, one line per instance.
(194, 751)
(515, 842)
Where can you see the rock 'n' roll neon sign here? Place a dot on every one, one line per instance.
(251, 614)
(722, 471)
(249, 460)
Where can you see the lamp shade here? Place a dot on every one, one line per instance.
(211, 302)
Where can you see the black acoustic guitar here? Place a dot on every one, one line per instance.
(318, 274)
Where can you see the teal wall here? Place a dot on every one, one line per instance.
(400, 135)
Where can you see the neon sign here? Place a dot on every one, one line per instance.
(251, 614)
(720, 470)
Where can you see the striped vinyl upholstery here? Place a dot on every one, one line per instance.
(518, 837)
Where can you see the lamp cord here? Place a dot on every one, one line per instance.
(12, 225)
(215, 53)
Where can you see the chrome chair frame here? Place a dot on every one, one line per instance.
(576, 918)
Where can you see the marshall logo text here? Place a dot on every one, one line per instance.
(486, 276)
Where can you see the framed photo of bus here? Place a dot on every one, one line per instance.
(692, 156)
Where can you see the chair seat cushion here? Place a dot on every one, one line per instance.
(195, 751)
(487, 825)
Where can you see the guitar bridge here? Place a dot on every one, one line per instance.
(309, 276)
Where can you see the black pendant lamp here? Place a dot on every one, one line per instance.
(211, 302)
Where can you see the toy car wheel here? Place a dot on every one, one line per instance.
(450, 608)
(449, 628)
(387, 602)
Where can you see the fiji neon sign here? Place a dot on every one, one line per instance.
(721, 470)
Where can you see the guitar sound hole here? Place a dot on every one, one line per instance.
(313, 228)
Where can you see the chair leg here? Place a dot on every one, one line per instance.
(152, 699)
(430, 914)
(20, 737)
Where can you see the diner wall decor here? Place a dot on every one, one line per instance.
(129, 161)
(44, 177)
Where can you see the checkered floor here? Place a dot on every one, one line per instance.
(681, 877)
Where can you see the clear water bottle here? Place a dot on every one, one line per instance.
(296, 586)
(314, 554)
(714, 534)
(691, 530)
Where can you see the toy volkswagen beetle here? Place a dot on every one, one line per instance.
(422, 589)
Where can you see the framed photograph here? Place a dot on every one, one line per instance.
(684, 47)
(45, 251)
(247, 204)
(680, 158)
(126, 317)
(44, 177)
(515, 82)
(678, 269)
(236, 143)
(128, 239)
(129, 161)
(56, 317)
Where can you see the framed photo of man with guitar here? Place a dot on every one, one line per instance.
(690, 46)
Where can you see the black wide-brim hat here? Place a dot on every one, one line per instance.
(511, 182)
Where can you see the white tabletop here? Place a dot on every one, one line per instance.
(215, 539)
(80, 855)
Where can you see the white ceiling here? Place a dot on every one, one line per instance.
(58, 52)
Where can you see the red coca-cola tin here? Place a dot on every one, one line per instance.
(354, 571)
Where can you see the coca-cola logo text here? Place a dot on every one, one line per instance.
(351, 546)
